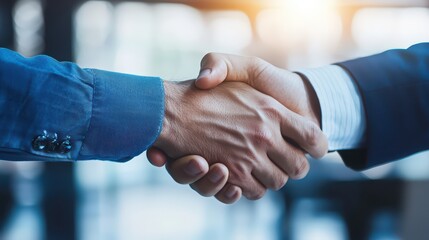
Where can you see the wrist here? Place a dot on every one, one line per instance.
(169, 101)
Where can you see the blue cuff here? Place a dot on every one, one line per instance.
(127, 115)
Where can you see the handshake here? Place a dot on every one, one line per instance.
(242, 127)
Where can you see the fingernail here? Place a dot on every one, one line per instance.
(193, 169)
(215, 177)
(204, 73)
(230, 192)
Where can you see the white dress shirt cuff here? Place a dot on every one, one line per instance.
(342, 112)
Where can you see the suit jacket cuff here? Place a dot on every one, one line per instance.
(394, 86)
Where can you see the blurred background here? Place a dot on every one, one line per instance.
(167, 38)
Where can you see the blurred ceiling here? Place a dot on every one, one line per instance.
(258, 4)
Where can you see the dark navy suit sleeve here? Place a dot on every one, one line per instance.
(96, 114)
(394, 86)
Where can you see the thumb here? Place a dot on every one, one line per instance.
(217, 68)
(214, 70)
(156, 157)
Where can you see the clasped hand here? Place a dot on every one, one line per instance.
(242, 136)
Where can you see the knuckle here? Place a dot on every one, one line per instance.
(280, 183)
(276, 180)
(258, 194)
(312, 135)
(268, 104)
(239, 171)
(254, 163)
(301, 167)
(263, 101)
(262, 135)
(258, 66)
(224, 200)
(270, 109)
(180, 180)
(203, 192)
(256, 61)
(177, 177)
(273, 110)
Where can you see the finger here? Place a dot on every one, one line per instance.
(251, 188)
(270, 175)
(188, 169)
(213, 181)
(290, 159)
(303, 132)
(216, 68)
(229, 194)
(156, 157)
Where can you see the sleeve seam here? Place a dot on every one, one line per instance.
(161, 120)
(92, 112)
(58, 74)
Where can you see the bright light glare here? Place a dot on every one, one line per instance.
(308, 7)
(230, 30)
(377, 29)
(133, 24)
(180, 25)
(29, 24)
(93, 22)
(310, 26)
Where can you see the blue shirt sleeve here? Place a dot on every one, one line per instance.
(99, 114)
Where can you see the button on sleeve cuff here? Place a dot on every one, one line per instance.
(127, 116)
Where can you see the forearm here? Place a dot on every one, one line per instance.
(107, 115)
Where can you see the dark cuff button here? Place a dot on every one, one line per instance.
(65, 145)
(49, 143)
(40, 142)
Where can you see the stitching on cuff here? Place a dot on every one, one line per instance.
(161, 120)
(94, 75)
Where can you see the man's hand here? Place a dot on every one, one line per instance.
(238, 127)
(286, 87)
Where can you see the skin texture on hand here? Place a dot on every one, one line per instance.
(286, 87)
(194, 170)
(241, 128)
